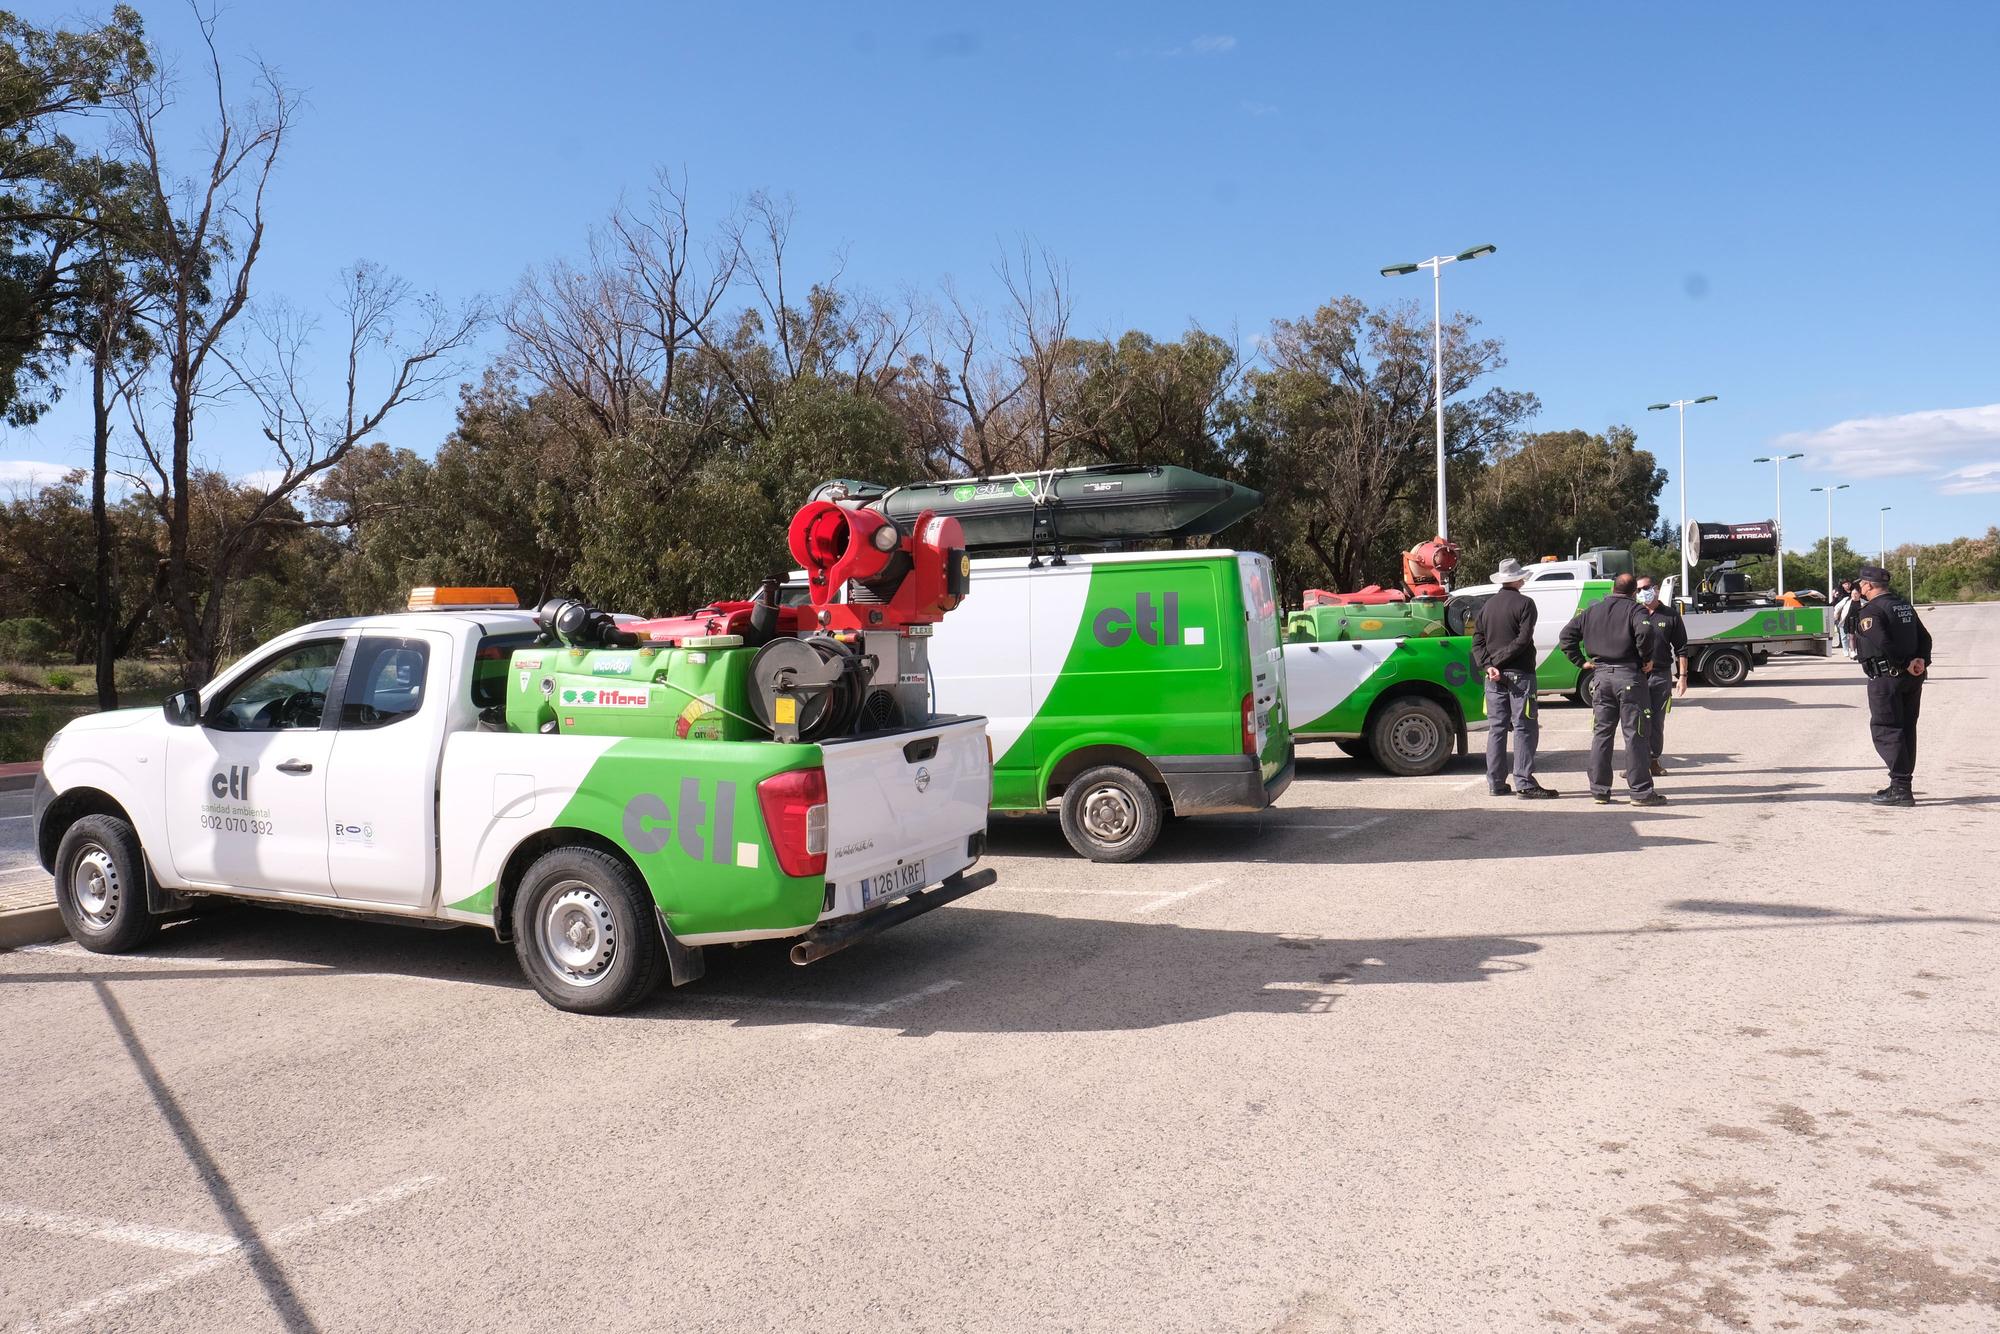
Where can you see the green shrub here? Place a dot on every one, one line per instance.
(27, 639)
(59, 679)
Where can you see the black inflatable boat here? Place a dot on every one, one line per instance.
(1069, 507)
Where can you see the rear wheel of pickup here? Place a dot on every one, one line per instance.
(1110, 814)
(1411, 736)
(584, 932)
(101, 885)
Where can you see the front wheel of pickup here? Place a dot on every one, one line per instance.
(101, 886)
(584, 932)
(1110, 814)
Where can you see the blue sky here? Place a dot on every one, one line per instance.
(1791, 206)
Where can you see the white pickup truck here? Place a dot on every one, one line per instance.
(354, 767)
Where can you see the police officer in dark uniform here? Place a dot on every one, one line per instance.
(1894, 650)
(1611, 638)
(1669, 656)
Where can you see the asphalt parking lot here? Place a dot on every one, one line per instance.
(1395, 1057)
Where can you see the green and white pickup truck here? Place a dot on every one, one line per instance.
(1724, 646)
(1406, 702)
(356, 767)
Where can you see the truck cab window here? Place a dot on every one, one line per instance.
(386, 682)
(489, 667)
(285, 694)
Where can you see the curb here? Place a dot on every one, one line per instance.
(30, 926)
(19, 777)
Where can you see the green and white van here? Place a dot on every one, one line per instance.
(1124, 687)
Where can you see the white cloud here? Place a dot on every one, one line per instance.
(1259, 108)
(21, 476)
(1912, 444)
(1212, 44)
(1978, 479)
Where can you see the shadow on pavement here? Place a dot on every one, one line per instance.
(965, 969)
(278, 1290)
(1732, 908)
(1494, 828)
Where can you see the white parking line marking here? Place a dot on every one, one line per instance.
(110, 1229)
(123, 1296)
(16, 817)
(1166, 900)
(845, 1007)
(867, 1012)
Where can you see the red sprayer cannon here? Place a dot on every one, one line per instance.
(856, 656)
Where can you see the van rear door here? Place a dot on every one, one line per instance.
(1267, 660)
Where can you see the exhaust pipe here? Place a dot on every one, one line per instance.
(833, 937)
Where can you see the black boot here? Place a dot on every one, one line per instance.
(1896, 794)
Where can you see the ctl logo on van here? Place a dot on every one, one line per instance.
(235, 784)
(1155, 623)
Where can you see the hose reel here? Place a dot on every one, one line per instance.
(805, 689)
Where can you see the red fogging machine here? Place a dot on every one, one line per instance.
(856, 656)
(891, 579)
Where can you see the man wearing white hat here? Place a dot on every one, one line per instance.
(1503, 651)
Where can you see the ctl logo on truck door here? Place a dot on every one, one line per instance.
(235, 784)
(1154, 623)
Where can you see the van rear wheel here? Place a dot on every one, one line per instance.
(585, 934)
(1411, 737)
(1110, 814)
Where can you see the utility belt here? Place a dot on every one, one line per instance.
(1873, 667)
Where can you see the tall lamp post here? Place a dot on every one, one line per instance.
(1882, 535)
(1779, 461)
(1829, 533)
(1680, 474)
(1436, 265)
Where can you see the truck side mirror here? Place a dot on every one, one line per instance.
(183, 708)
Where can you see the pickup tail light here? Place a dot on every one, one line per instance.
(1250, 724)
(794, 805)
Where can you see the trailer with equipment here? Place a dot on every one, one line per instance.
(610, 794)
(1124, 687)
(1731, 629)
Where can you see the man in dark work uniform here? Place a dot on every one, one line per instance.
(1611, 637)
(1894, 650)
(1669, 674)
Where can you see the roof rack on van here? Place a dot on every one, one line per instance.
(1101, 505)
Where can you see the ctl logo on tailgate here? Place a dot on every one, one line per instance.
(610, 697)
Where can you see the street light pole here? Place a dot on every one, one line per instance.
(1882, 535)
(1436, 265)
(1680, 475)
(1779, 521)
(1829, 535)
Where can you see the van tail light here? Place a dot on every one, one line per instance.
(1250, 724)
(794, 805)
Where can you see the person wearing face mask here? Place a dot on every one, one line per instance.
(1668, 655)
